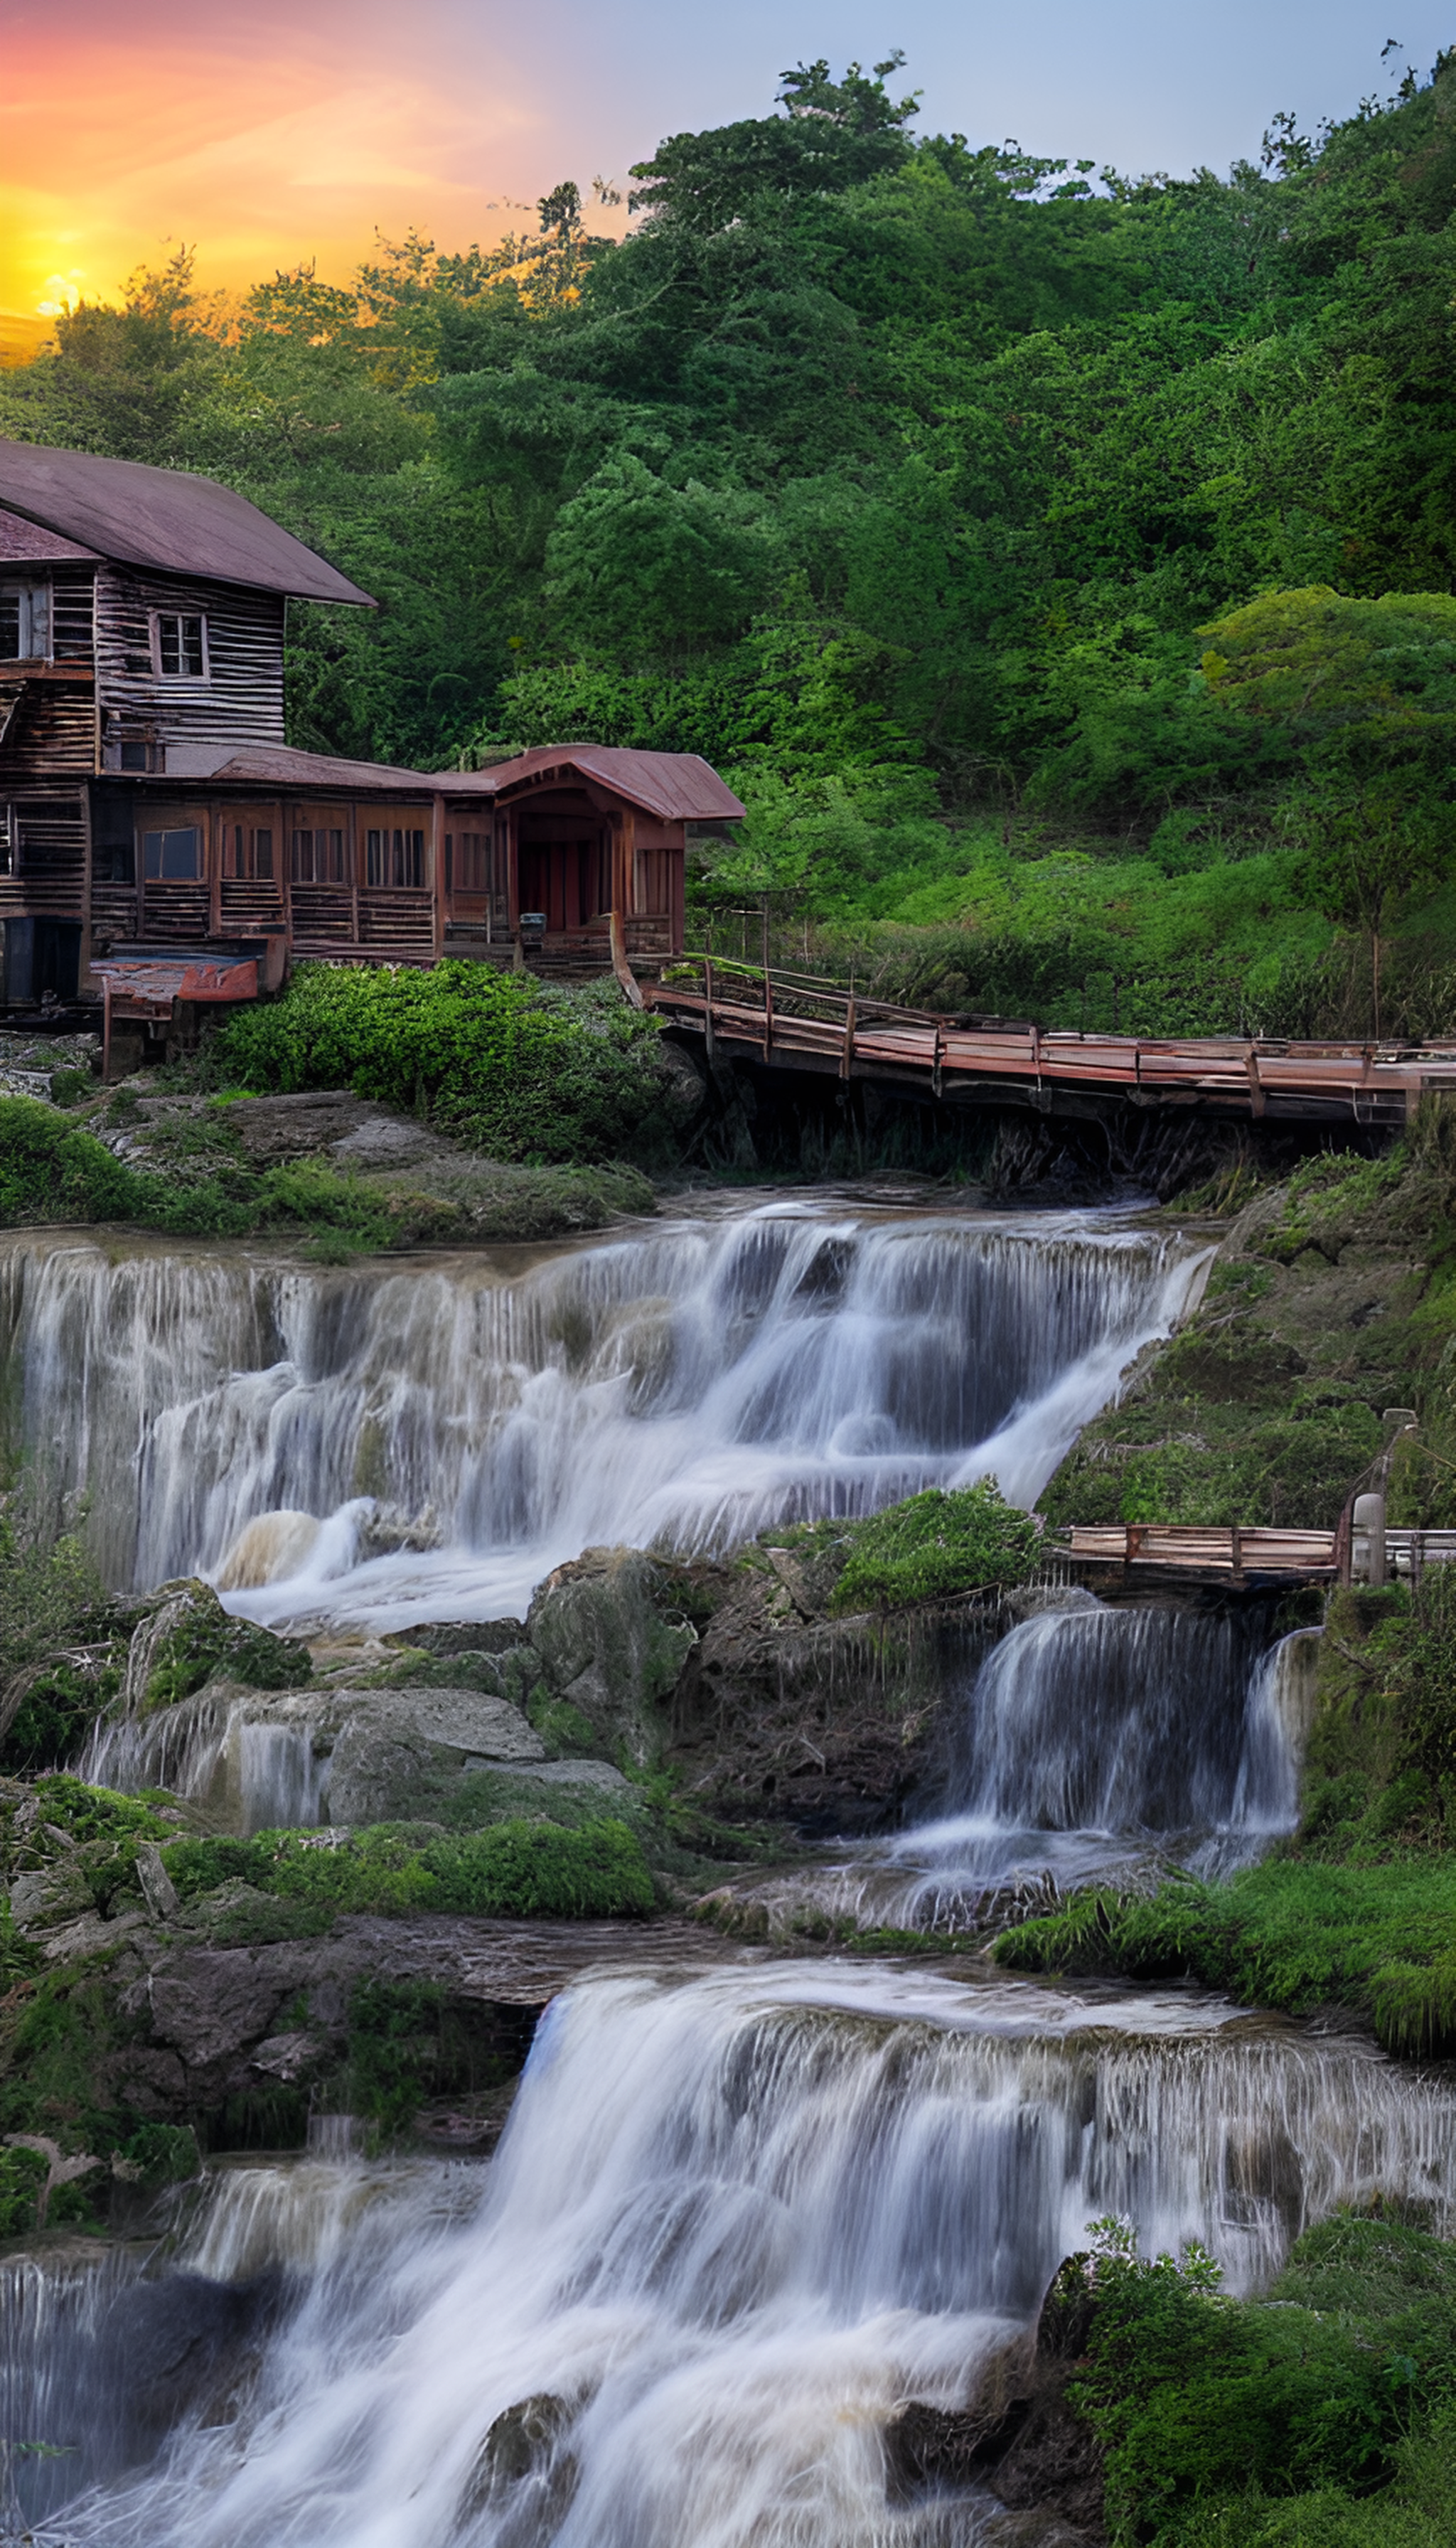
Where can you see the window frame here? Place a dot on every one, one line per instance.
(180, 618)
(26, 587)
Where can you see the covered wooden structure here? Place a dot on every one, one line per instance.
(150, 808)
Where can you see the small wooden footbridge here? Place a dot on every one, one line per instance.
(1139, 1556)
(795, 1022)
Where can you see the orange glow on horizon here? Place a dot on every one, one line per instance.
(263, 145)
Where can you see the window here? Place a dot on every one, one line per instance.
(393, 857)
(247, 851)
(133, 756)
(179, 646)
(25, 622)
(318, 856)
(468, 862)
(172, 858)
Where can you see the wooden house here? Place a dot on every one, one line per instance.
(152, 816)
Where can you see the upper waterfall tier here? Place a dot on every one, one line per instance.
(686, 1385)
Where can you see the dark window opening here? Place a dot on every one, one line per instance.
(181, 646)
(393, 857)
(318, 855)
(25, 622)
(172, 858)
(133, 756)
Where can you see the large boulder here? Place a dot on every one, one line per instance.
(608, 1651)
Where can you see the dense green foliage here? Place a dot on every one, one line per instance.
(1246, 2422)
(204, 1642)
(516, 1869)
(936, 1544)
(517, 1069)
(1110, 517)
(61, 1655)
(1359, 1909)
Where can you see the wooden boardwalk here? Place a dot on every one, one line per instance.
(790, 1022)
(1133, 1553)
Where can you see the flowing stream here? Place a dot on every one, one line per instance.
(743, 2212)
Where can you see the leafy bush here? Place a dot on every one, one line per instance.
(521, 1072)
(23, 2174)
(936, 1544)
(54, 1170)
(1196, 2398)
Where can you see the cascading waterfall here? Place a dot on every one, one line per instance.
(263, 1774)
(1095, 1739)
(685, 1386)
(736, 2221)
(1094, 1744)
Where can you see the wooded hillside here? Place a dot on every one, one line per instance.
(1059, 563)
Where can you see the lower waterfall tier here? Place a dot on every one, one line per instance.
(737, 2221)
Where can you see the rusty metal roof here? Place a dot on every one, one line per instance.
(676, 787)
(277, 765)
(25, 543)
(164, 518)
(153, 982)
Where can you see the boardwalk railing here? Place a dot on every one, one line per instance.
(1242, 1556)
(801, 1023)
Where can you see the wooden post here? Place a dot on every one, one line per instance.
(1236, 1550)
(214, 850)
(437, 872)
(935, 1067)
(1257, 1088)
(708, 1009)
(83, 966)
(846, 1057)
(768, 989)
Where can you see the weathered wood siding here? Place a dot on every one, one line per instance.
(240, 699)
(46, 857)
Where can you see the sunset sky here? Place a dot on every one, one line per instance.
(273, 132)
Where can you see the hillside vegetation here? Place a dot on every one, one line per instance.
(1059, 562)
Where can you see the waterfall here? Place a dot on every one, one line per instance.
(683, 1387)
(736, 2221)
(257, 1768)
(1098, 1743)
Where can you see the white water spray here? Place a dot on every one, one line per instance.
(735, 2223)
(684, 1387)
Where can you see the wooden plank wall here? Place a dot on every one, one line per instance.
(242, 701)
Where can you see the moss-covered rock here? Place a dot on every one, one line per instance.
(186, 1639)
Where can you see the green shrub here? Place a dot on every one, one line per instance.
(936, 1544)
(53, 1171)
(1195, 2397)
(23, 2174)
(208, 1640)
(1319, 2416)
(519, 1070)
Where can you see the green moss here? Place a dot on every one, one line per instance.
(514, 1870)
(934, 1545)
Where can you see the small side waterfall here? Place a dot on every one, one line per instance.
(259, 1773)
(734, 2223)
(1098, 1742)
(1140, 1718)
(683, 1386)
